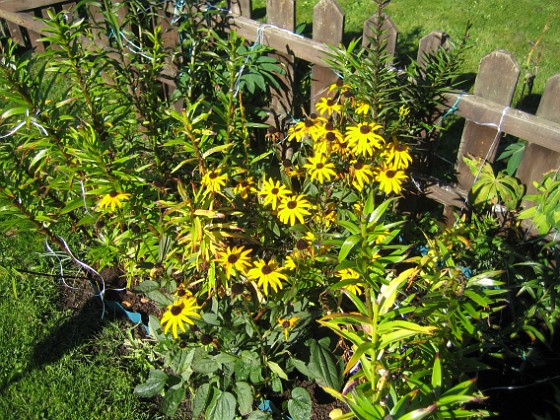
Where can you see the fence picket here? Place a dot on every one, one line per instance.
(282, 13)
(241, 7)
(538, 160)
(328, 27)
(497, 78)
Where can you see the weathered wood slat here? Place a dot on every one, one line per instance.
(328, 28)
(496, 80)
(389, 34)
(241, 7)
(532, 128)
(538, 159)
(20, 5)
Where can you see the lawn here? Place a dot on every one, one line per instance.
(500, 24)
(61, 362)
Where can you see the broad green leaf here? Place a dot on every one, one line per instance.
(347, 246)
(299, 406)
(201, 398)
(245, 397)
(173, 397)
(275, 367)
(153, 386)
(222, 406)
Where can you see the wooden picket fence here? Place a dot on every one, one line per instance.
(486, 110)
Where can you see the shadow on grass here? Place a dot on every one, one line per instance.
(61, 340)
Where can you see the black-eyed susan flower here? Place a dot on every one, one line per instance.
(292, 208)
(363, 139)
(213, 181)
(350, 274)
(390, 179)
(328, 106)
(361, 174)
(362, 108)
(182, 312)
(303, 129)
(113, 200)
(234, 260)
(273, 192)
(267, 274)
(182, 293)
(397, 155)
(244, 187)
(287, 324)
(319, 168)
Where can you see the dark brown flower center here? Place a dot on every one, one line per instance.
(340, 83)
(286, 324)
(309, 123)
(205, 339)
(113, 194)
(176, 310)
(287, 163)
(181, 292)
(320, 166)
(313, 116)
(232, 258)
(244, 184)
(330, 102)
(365, 129)
(237, 288)
(390, 174)
(292, 204)
(329, 126)
(274, 191)
(358, 166)
(301, 244)
(330, 136)
(212, 175)
(400, 147)
(266, 270)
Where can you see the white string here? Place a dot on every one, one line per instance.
(31, 120)
(60, 266)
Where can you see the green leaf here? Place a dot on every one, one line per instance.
(323, 366)
(299, 406)
(347, 246)
(275, 367)
(153, 386)
(245, 397)
(222, 406)
(173, 397)
(200, 400)
(147, 286)
(436, 374)
(419, 413)
(72, 205)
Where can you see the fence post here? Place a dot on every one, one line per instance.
(496, 80)
(282, 13)
(389, 34)
(538, 160)
(241, 7)
(328, 27)
(429, 44)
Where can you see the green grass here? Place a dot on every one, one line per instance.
(499, 24)
(59, 363)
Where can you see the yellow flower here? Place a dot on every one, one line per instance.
(305, 128)
(362, 174)
(404, 111)
(244, 187)
(235, 260)
(179, 314)
(319, 168)
(113, 200)
(292, 208)
(350, 274)
(363, 139)
(287, 325)
(273, 192)
(182, 293)
(390, 179)
(289, 263)
(326, 135)
(362, 108)
(267, 274)
(328, 106)
(397, 155)
(213, 181)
